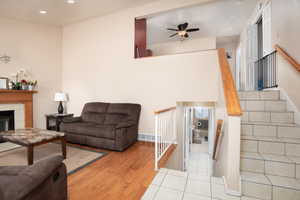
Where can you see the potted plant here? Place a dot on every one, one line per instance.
(24, 84)
(16, 86)
(32, 84)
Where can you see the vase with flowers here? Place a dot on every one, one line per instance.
(24, 84)
(31, 85)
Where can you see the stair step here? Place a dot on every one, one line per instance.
(269, 187)
(272, 139)
(271, 124)
(268, 117)
(260, 95)
(269, 164)
(271, 130)
(269, 145)
(263, 105)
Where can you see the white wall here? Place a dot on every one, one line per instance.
(227, 164)
(98, 65)
(177, 47)
(36, 48)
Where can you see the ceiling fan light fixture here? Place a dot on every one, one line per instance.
(182, 30)
(181, 33)
(71, 1)
(43, 12)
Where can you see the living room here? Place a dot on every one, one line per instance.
(68, 70)
(55, 50)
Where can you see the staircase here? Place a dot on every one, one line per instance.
(270, 145)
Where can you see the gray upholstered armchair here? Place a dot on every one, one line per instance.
(104, 125)
(46, 180)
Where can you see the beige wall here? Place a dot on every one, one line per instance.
(230, 47)
(98, 65)
(285, 26)
(227, 164)
(177, 47)
(285, 32)
(36, 48)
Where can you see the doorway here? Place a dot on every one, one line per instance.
(260, 48)
(198, 140)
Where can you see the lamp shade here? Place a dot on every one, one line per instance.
(60, 97)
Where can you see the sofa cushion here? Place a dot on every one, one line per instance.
(94, 112)
(93, 117)
(89, 129)
(11, 170)
(114, 118)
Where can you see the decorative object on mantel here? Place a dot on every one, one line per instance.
(4, 83)
(60, 97)
(20, 82)
(5, 59)
(24, 84)
(32, 84)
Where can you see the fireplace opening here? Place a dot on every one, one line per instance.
(7, 121)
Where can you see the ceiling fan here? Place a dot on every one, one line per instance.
(182, 30)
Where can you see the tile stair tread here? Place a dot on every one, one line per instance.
(271, 139)
(278, 181)
(295, 159)
(271, 157)
(255, 177)
(271, 124)
(251, 155)
(285, 182)
(263, 111)
(263, 100)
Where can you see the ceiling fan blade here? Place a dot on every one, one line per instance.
(192, 29)
(173, 35)
(172, 29)
(186, 35)
(182, 27)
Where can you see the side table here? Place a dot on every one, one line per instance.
(53, 120)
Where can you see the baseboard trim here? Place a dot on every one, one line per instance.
(232, 192)
(146, 137)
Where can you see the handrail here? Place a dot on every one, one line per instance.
(230, 92)
(218, 137)
(290, 59)
(266, 55)
(164, 110)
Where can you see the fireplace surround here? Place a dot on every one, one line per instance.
(18, 97)
(7, 121)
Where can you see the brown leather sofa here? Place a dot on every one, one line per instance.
(111, 126)
(46, 180)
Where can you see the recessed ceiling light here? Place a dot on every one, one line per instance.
(71, 1)
(43, 12)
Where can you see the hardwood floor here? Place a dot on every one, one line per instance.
(117, 176)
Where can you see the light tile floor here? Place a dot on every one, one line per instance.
(195, 184)
(184, 186)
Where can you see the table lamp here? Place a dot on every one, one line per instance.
(60, 97)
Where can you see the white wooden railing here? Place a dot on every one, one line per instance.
(165, 132)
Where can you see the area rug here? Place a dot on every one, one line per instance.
(77, 158)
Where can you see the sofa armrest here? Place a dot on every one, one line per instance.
(71, 119)
(31, 177)
(125, 124)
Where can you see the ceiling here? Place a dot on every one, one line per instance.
(217, 19)
(61, 13)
